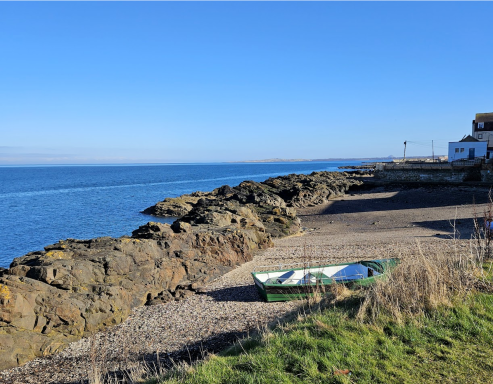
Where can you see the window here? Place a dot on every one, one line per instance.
(456, 150)
(480, 135)
(461, 150)
(480, 125)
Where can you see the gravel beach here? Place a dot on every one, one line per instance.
(377, 223)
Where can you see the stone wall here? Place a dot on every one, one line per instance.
(487, 176)
(450, 175)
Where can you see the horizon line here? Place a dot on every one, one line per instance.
(265, 161)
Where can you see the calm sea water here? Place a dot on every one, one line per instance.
(43, 204)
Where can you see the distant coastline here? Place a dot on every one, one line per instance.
(388, 158)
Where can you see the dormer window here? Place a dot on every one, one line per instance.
(480, 135)
(480, 125)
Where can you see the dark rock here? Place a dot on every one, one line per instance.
(292, 190)
(366, 166)
(75, 288)
(317, 188)
(175, 207)
(80, 287)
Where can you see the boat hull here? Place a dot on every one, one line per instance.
(280, 292)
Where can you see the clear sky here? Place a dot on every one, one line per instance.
(200, 82)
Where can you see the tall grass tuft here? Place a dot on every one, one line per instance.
(482, 244)
(420, 284)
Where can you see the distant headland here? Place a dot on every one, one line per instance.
(276, 160)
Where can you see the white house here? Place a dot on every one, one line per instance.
(468, 148)
(482, 129)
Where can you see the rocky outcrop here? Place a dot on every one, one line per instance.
(249, 204)
(77, 287)
(175, 206)
(309, 190)
(271, 199)
(370, 166)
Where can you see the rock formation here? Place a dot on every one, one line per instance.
(294, 190)
(75, 288)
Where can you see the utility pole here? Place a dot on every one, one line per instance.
(405, 143)
(432, 151)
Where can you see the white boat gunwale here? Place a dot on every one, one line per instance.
(379, 270)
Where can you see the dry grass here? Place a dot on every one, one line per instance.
(421, 284)
(481, 246)
(140, 373)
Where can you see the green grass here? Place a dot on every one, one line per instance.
(450, 345)
(488, 270)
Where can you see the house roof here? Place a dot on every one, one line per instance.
(468, 139)
(482, 117)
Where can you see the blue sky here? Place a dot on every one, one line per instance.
(225, 81)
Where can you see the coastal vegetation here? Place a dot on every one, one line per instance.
(430, 321)
(448, 344)
(435, 308)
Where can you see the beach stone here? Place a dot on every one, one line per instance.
(75, 288)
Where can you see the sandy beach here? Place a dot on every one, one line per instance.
(375, 223)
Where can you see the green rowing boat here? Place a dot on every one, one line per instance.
(298, 283)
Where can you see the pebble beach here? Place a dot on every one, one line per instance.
(376, 223)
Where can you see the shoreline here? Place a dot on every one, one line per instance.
(380, 221)
(75, 288)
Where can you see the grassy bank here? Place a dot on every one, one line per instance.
(332, 346)
(427, 323)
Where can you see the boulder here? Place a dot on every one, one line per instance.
(175, 206)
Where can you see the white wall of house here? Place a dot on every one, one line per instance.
(484, 136)
(460, 150)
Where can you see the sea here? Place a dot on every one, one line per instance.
(41, 205)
